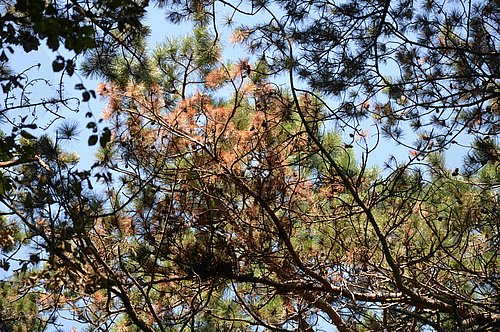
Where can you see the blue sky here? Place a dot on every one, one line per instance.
(160, 31)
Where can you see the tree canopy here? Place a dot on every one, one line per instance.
(342, 174)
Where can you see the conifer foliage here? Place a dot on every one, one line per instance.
(258, 194)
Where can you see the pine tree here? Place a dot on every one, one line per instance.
(224, 199)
